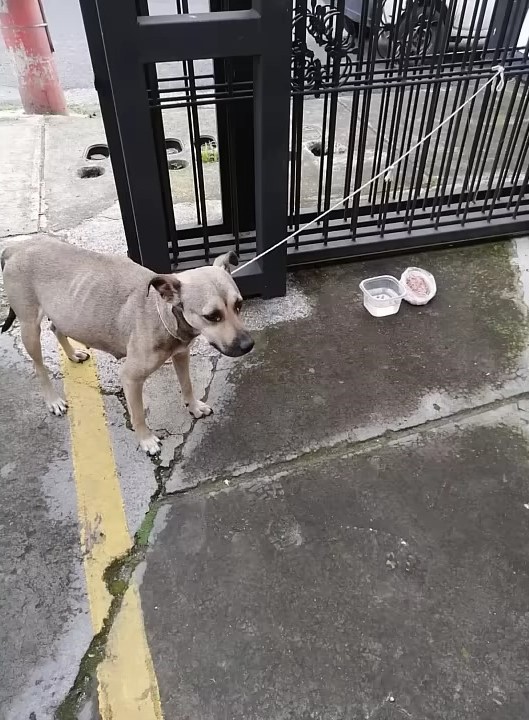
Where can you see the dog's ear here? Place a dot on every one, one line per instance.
(168, 286)
(224, 261)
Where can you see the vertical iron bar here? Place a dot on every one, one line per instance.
(407, 124)
(477, 175)
(384, 200)
(198, 147)
(298, 74)
(232, 162)
(396, 118)
(518, 122)
(297, 160)
(235, 118)
(456, 42)
(501, 147)
(439, 48)
(335, 81)
(415, 93)
(427, 115)
(519, 165)
(272, 107)
(353, 123)
(454, 124)
(522, 107)
(487, 132)
(522, 192)
(386, 95)
(192, 148)
(366, 104)
(500, 183)
(520, 115)
(324, 144)
(485, 109)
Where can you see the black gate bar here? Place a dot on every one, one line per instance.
(162, 38)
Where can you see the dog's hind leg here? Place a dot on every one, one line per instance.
(30, 334)
(76, 356)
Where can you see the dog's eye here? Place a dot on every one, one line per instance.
(238, 306)
(213, 317)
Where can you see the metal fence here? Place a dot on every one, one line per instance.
(244, 120)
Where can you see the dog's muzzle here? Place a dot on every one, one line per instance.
(242, 345)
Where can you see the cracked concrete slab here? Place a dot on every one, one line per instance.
(166, 411)
(167, 415)
(387, 584)
(340, 374)
(135, 469)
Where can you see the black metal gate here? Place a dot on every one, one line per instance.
(245, 119)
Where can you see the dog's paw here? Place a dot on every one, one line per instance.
(57, 406)
(151, 445)
(79, 356)
(198, 409)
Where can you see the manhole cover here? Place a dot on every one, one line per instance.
(208, 140)
(90, 171)
(318, 149)
(99, 151)
(177, 164)
(173, 146)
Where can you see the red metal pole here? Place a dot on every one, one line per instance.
(26, 36)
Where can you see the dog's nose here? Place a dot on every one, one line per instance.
(246, 344)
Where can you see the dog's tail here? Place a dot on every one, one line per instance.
(10, 319)
(3, 258)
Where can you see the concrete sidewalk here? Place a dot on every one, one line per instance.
(345, 538)
(355, 546)
(387, 580)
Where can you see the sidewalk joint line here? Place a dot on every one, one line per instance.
(345, 448)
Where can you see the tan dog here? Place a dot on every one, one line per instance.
(106, 302)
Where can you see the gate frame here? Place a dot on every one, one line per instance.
(256, 35)
(122, 73)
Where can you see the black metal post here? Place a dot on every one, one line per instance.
(127, 74)
(108, 114)
(272, 109)
(151, 81)
(236, 138)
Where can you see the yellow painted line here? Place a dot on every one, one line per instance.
(127, 684)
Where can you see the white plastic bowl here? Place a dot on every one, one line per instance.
(415, 298)
(382, 295)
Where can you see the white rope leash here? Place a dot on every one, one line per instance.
(499, 72)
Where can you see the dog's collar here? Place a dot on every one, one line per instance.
(181, 325)
(186, 332)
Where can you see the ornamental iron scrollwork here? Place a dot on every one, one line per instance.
(325, 24)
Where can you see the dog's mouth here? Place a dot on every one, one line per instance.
(239, 348)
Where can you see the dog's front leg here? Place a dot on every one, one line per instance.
(133, 382)
(197, 408)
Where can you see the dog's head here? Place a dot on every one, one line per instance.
(210, 303)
